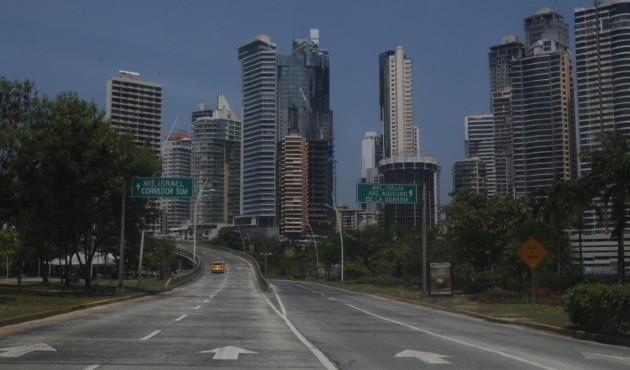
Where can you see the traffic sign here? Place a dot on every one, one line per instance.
(161, 187)
(532, 252)
(387, 193)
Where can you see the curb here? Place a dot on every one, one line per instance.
(65, 310)
(574, 333)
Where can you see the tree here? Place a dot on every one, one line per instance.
(70, 173)
(478, 228)
(610, 175)
(565, 205)
(17, 100)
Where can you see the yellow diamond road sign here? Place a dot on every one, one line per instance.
(532, 252)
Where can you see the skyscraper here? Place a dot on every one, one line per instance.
(546, 32)
(469, 173)
(501, 59)
(259, 107)
(603, 100)
(424, 172)
(135, 107)
(479, 142)
(372, 153)
(304, 105)
(176, 163)
(216, 158)
(396, 100)
(402, 163)
(293, 181)
(543, 119)
(531, 89)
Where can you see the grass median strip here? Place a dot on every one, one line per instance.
(36, 298)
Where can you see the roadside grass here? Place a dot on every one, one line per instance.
(35, 297)
(547, 314)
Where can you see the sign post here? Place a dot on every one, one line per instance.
(150, 187)
(532, 253)
(398, 194)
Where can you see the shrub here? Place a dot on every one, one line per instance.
(486, 280)
(599, 307)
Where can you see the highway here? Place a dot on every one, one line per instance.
(217, 321)
(359, 331)
(226, 321)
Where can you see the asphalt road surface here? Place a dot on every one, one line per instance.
(225, 321)
(217, 321)
(359, 331)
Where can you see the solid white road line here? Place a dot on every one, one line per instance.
(320, 356)
(500, 353)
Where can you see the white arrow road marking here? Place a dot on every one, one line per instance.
(600, 356)
(151, 335)
(21, 350)
(455, 340)
(227, 353)
(426, 357)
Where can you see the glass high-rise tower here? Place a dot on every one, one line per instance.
(532, 104)
(304, 107)
(602, 39)
(479, 142)
(176, 162)
(543, 118)
(259, 109)
(216, 162)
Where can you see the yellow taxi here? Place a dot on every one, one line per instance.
(218, 267)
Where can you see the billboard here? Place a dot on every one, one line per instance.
(440, 279)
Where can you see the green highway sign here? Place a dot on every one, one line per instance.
(161, 187)
(387, 193)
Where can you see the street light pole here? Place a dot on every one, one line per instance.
(238, 228)
(199, 192)
(314, 242)
(340, 233)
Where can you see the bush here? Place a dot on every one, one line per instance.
(599, 307)
(486, 280)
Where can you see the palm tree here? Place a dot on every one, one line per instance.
(576, 196)
(610, 175)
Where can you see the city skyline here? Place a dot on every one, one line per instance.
(67, 46)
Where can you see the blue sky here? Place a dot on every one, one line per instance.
(189, 46)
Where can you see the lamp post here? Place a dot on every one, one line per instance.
(199, 194)
(265, 254)
(314, 242)
(340, 233)
(238, 228)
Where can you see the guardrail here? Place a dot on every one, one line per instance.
(262, 283)
(178, 280)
